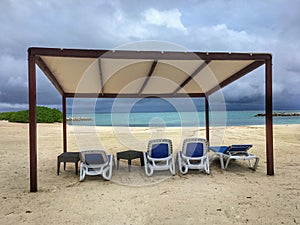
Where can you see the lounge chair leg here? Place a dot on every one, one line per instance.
(179, 161)
(182, 165)
(184, 168)
(227, 162)
(107, 173)
(208, 170)
(255, 164)
(222, 161)
(172, 166)
(113, 162)
(207, 166)
(147, 166)
(148, 170)
(250, 163)
(82, 173)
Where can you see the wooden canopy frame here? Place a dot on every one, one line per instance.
(36, 57)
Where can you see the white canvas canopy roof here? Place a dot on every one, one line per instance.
(144, 73)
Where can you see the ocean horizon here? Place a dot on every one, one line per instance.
(179, 119)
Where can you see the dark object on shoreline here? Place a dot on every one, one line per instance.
(79, 119)
(279, 114)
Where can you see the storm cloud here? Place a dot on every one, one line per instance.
(218, 25)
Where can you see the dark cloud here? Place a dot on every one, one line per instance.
(245, 26)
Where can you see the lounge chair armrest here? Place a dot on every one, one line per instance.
(193, 158)
(160, 159)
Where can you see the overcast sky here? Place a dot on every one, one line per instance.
(270, 26)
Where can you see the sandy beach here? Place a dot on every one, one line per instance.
(233, 196)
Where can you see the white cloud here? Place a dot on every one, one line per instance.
(169, 18)
(221, 37)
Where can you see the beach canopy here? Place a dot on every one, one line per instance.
(90, 73)
(86, 73)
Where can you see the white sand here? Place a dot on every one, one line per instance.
(234, 196)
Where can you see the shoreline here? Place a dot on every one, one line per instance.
(250, 125)
(168, 127)
(72, 125)
(276, 114)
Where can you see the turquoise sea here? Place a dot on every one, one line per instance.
(175, 119)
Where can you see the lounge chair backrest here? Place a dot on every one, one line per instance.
(160, 148)
(194, 147)
(93, 156)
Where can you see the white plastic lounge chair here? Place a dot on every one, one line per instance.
(236, 152)
(194, 155)
(159, 156)
(95, 162)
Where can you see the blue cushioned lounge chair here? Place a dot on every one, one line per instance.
(95, 162)
(159, 156)
(236, 152)
(194, 155)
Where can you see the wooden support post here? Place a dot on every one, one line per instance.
(32, 121)
(207, 119)
(64, 109)
(269, 118)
